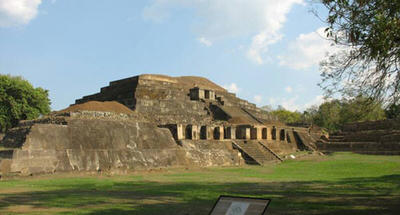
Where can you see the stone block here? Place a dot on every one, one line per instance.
(247, 134)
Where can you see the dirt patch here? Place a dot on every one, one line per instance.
(31, 209)
(108, 106)
(14, 190)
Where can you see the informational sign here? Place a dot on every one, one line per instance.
(238, 208)
(230, 205)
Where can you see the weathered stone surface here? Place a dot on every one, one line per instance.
(168, 126)
(374, 137)
(110, 145)
(211, 153)
(94, 145)
(167, 100)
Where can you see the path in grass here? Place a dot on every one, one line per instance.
(340, 184)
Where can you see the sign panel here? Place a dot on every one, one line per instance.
(230, 205)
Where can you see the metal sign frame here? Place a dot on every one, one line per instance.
(241, 198)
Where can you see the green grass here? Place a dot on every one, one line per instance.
(342, 183)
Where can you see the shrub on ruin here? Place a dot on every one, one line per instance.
(19, 100)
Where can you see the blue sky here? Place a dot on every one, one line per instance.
(266, 51)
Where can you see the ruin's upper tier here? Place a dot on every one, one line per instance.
(186, 99)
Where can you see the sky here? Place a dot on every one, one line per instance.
(265, 51)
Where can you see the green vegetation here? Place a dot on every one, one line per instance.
(393, 111)
(333, 114)
(19, 100)
(343, 183)
(369, 32)
(287, 116)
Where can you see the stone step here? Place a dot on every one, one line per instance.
(257, 152)
(336, 138)
(336, 135)
(352, 142)
(272, 153)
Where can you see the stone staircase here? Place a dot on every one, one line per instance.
(255, 153)
(270, 151)
(307, 141)
(375, 137)
(235, 112)
(252, 116)
(336, 138)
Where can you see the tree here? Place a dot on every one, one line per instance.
(393, 111)
(287, 116)
(19, 100)
(361, 109)
(368, 62)
(333, 114)
(309, 114)
(328, 115)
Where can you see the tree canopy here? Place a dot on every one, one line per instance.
(333, 114)
(19, 100)
(368, 62)
(287, 116)
(393, 111)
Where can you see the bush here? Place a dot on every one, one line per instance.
(19, 100)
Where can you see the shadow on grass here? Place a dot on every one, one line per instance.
(377, 195)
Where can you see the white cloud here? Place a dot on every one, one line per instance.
(261, 20)
(257, 99)
(307, 50)
(204, 41)
(18, 12)
(233, 88)
(318, 100)
(289, 89)
(293, 103)
(272, 101)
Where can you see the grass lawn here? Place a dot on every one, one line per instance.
(341, 183)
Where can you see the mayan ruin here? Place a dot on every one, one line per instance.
(183, 121)
(152, 121)
(195, 107)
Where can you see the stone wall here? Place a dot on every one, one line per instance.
(374, 137)
(389, 124)
(211, 153)
(105, 145)
(94, 145)
(168, 127)
(167, 99)
(375, 148)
